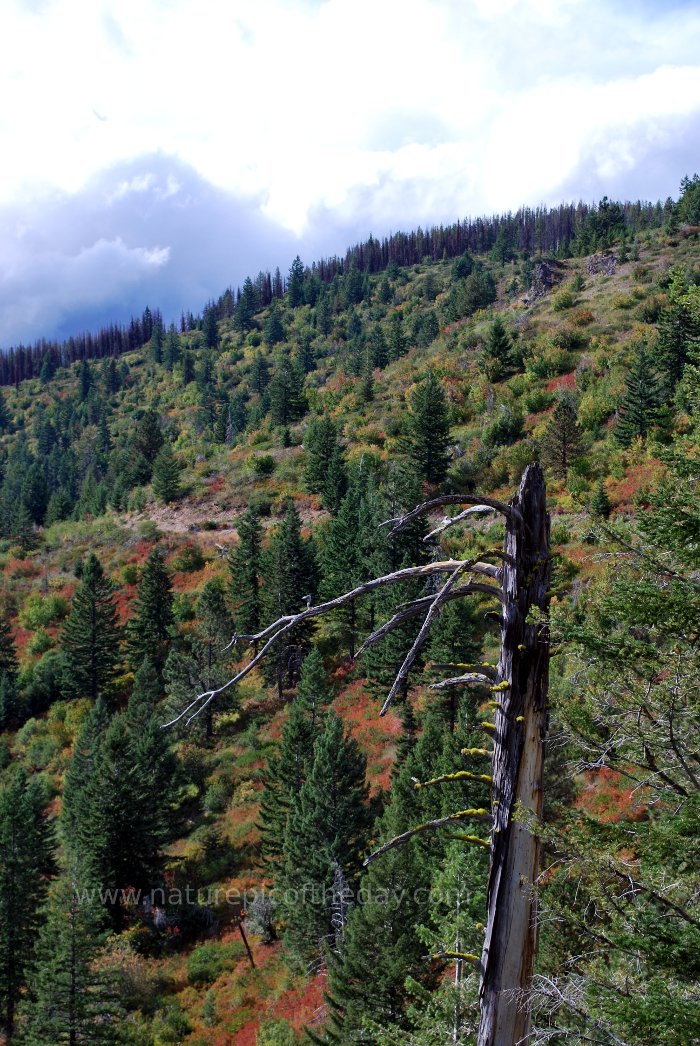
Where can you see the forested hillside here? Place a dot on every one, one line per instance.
(164, 488)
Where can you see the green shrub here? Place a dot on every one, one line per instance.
(40, 642)
(506, 427)
(40, 611)
(189, 559)
(217, 795)
(210, 960)
(263, 465)
(564, 299)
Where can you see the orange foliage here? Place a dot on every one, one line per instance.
(564, 381)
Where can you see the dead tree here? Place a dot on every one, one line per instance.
(519, 581)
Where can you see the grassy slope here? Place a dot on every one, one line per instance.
(585, 348)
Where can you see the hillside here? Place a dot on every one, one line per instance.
(224, 472)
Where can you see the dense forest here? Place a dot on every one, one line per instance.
(203, 877)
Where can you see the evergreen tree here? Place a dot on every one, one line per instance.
(327, 826)
(149, 630)
(245, 567)
(454, 641)
(679, 330)
(499, 349)
(70, 1000)
(114, 819)
(397, 338)
(562, 439)
(25, 862)
(154, 758)
(638, 408)
(4, 414)
(147, 442)
(91, 635)
(600, 502)
(171, 348)
(287, 400)
(9, 704)
(187, 364)
(166, 475)
(8, 654)
(290, 581)
(295, 283)
(289, 768)
(203, 663)
(157, 340)
(428, 430)
(273, 332)
(324, 470)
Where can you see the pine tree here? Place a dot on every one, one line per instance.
(287, 399)
(25, 862)
(290, 581)
(600, 502)
(149, 630)
(289, 768)
(91, 635)
(428, 430)
(70, 1000)
(114, 819)
(203, 662)
(273, 332)
(454, 641)
(147, 440)
(638, 408)
(9, 704)
(166, 475)
(343, 563)
(4, 414)
(245, 566)
(154, 757)
(562, 439)
(295, 283)
(397, 338)
(324, 470)
(8, 655)
(328, 825)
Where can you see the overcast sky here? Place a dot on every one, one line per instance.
(156, 151)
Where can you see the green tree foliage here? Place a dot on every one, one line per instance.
(203, 662)
(166, 475)
(115, 819)
(561, 443)
(327, 829)
(679, 330)
(688, 207)
(324, 472)
(287, 399)
(639, 406)
(289, 768)
(92, 635)
(273, 332)
(295, 283)
(428, 430)
(25, 862)
(291, 579)
(70, 999)
(626, 900)
(149, 630)
(245, 568)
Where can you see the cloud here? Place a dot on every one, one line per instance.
(151, 232)
(206, 129)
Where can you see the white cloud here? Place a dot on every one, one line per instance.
(386, 112)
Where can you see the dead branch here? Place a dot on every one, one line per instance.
(398, 523)
(470, 677)
(429, 826)
(433, 610)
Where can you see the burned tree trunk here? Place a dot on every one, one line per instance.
(510, 944)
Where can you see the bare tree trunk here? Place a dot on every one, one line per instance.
(521, 723)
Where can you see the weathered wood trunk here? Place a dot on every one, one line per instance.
(520, 727)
